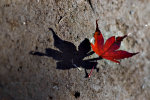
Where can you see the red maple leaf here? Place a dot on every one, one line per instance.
(109, 50)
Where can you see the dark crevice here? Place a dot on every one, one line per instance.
(90, 3)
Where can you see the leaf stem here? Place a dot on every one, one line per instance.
(90, 72)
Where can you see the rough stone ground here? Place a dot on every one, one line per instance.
(24, 27)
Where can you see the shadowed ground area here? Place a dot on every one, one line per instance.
(68, 56)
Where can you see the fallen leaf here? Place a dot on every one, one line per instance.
(109, 49)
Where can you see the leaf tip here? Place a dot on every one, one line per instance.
(135, 53)
(120, 38)
(97, 29)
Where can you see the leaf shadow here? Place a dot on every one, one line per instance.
(68, 56)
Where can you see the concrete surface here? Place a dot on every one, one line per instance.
(24, 27)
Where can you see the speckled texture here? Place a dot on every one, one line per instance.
(24, 27)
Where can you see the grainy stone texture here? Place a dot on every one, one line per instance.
(24, 27)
